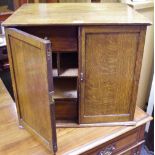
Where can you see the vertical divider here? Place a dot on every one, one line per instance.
(58, 64)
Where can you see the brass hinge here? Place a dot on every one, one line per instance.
(55, 148)
(49, 52)
(82, 76)
(51, 99)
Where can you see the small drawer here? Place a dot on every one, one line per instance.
(133, 151)
(66, 109)
(116, 145)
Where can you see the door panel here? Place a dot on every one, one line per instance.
(108, 58)
(30, 59)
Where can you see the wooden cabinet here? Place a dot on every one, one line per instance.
(127, 144)
(122, 140)
(74, 71)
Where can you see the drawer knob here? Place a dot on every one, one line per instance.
(107, 151)
(137, 153)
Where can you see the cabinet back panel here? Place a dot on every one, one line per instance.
(65, 88)
(108, 64)
(63, 38)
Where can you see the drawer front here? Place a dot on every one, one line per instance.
(133, 151)
(66, 109)
(117, 145)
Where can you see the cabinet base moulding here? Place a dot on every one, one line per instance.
(75, 125)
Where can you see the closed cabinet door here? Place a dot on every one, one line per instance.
(30, 65)
(110, 61)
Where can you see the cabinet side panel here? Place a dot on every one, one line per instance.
(138, 66)
(108, 63)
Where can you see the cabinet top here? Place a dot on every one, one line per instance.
(75, 14)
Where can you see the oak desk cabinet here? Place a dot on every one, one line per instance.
(122, 140)
(74, 65)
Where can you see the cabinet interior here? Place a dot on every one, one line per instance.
(65, 73)
(65, 64)
(64, 43)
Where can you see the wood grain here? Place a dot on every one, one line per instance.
(138, 66)
(71, 141)
(66, 109)
(108, 62)
(65, 88)
(76, 14)
(74, 1)
(136, 149)
(30, 68)
(120, 144)
(110, 51)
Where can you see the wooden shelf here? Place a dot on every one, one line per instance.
(73, 72)
(69, 72)
(66, 123)
(65, 64)
(65, 88)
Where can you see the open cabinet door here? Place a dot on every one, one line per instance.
(31, 70)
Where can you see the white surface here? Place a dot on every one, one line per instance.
(2, 41)
(139, 4)
(2, 37)
(2, 27)
(150, 104)
(146, 9)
